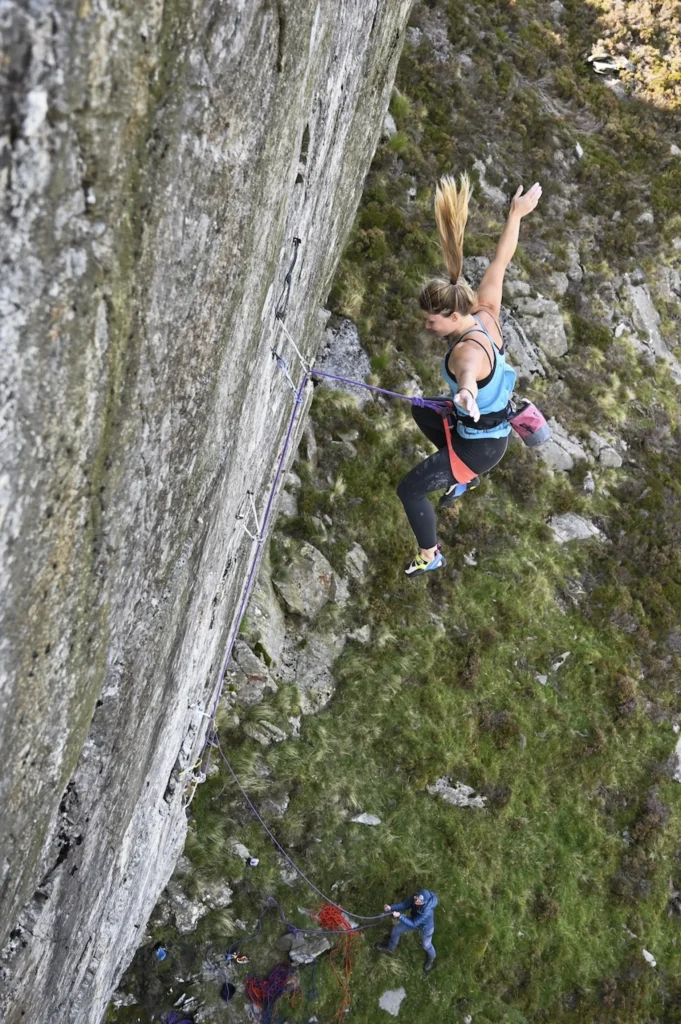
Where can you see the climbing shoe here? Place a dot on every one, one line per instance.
(419, 564)
(455, 491)
(429, 964)
(382, 948)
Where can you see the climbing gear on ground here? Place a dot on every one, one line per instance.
(160, 953)
(419, 565)
(265, 993)
(175, 1017)
(455, 491)
(383, 948)
(227, 991)
(530, 425)
(494, 391)
(237, 958)
(429, 964)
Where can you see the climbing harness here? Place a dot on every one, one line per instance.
(460, 471)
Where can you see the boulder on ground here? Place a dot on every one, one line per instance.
(608, 456)
(306, 948)
(570, 526)
(247, 678)
(187, 913)
(275, 806)
(307, 582)
(458, 795)
(308, 666)
(647, 322)
(265, 733)
(356, 561)
(391, 1001)
(563, 450)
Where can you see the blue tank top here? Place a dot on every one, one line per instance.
(493, 396)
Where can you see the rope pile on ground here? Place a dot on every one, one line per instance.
(265, 993)
(332, 919)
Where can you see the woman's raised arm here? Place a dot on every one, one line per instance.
(491, 286)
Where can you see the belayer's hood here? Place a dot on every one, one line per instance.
(429, 899)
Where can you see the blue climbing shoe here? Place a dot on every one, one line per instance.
(419, 564)
(455, 491)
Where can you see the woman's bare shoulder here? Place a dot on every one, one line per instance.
(491, 315)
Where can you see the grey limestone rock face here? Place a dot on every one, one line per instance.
(647, 322)
(474, 268)
(524, 356)
(158, 163)
(307, 582)
(513, 289)
(309, 664)
(562, 451)
(342, 355)
(247, 678)
(543, 322)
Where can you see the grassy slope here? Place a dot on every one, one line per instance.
(542, 893)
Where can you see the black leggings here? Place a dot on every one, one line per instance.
(434, 473)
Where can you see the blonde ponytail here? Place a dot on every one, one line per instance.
(451, 214)
(441, 295)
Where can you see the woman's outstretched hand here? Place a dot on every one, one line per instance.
(465, 401)
(524, 204)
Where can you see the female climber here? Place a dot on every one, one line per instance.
(475, 368)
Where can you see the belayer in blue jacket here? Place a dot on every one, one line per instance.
(421, 908)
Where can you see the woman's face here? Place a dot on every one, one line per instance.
(441, 325)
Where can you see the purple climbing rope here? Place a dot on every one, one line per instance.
(421, 403)
(211, 733)
(254, 565)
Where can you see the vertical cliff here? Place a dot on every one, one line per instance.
(156, 161)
